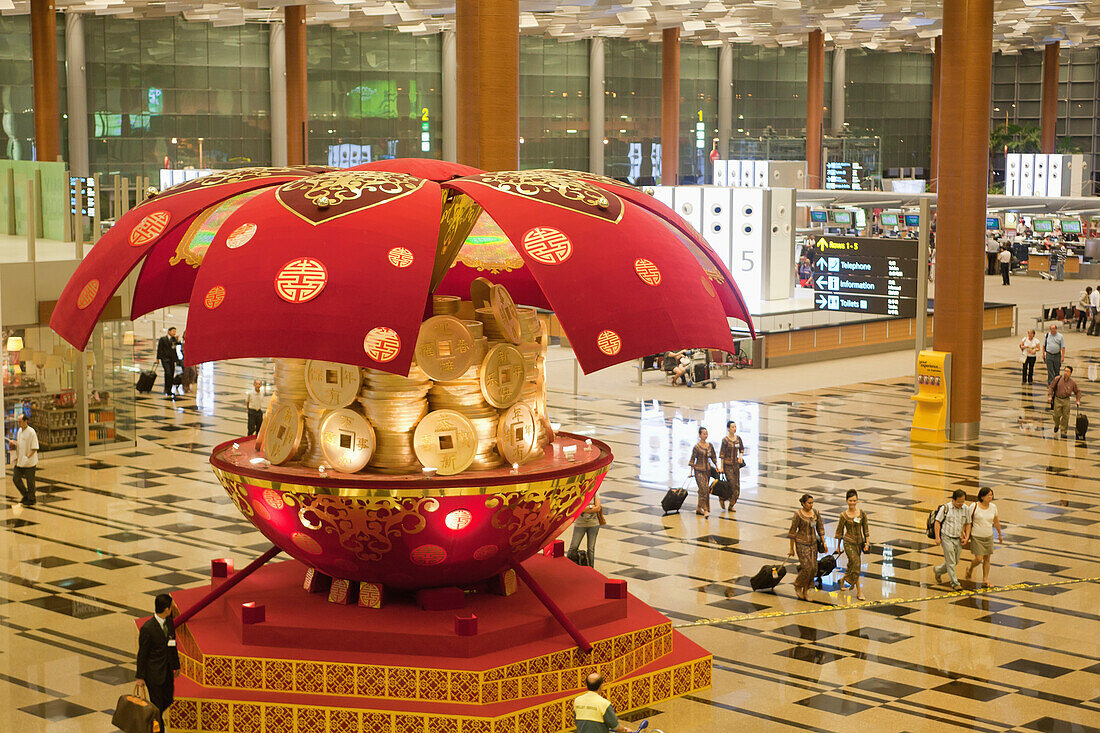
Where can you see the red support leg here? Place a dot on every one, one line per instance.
(218, 592)
(552, 607)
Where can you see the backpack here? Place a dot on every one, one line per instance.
(930, 529)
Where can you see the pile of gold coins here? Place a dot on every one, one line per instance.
(474, 399)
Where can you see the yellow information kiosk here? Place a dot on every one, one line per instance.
(933, 397)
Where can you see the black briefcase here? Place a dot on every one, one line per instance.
(722, 489)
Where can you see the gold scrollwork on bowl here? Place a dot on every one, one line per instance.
(365, 527)
(526, 515)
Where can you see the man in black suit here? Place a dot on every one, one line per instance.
(166, 354)
(158, 662)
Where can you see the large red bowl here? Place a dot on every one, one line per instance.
(412, 531)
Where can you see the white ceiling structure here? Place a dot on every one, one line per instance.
(890, 25)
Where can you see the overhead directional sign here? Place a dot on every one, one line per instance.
(867, 247)
(841, 176)
(879, 306)
(861, 275)
(896, 287)
(853, 265)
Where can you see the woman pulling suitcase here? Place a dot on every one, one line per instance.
(733, 448)
(806, 533)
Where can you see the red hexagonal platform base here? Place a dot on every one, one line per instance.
(313, 666)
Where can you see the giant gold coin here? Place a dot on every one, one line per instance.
(332, 385)
(347, 440)
(506, 314)
(479, 292)
(517, 433)
(283, 436)
(502, 375)
(444, 348)
(446, 441)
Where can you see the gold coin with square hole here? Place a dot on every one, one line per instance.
(502, 376)
(517, 433)
(444, 348)
(446, 441)
(332, 385)
(347, 440)
(504, 308)
(283, 436)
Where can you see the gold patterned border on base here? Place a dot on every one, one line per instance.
(191, 715)
(561, 671)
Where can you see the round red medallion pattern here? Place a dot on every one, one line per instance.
(647, 271)
(708, 286)
(458, 519)
(87, 294)
(428, 555)
(609, 342)
(485, 552)
(239, 237)
(547, 245)
(214, 297)
(382, 344)
(301, 280)
(149, 228)
(305, 542)
(400, 257)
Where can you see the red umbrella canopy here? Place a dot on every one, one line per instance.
(335, 266)
(153, 229)
(339, 265)
(623, 281)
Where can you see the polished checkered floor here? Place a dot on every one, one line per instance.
(112, 531)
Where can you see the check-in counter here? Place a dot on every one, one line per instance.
(1040, 262)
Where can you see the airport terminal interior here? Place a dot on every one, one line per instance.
(745, 201)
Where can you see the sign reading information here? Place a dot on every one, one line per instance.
(861, 275)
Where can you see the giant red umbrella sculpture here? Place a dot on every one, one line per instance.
(339, 266)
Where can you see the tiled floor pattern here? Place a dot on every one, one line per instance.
(111, 531)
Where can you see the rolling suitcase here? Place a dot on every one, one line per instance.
(674, 499)
(768, 577)
(1082, 425)
(145, 381)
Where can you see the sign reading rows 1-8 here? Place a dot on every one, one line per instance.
(859, 275)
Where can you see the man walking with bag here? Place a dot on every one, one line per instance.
(1059, 392)
(166, 355)
(26, 460)
(158, 661)
(952, 528)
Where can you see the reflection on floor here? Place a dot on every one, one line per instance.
(110, 532)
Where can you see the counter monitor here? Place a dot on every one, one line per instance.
(842, 217)
(1043, 225)
(992, 222)
(1071, 226)
(889, 220)
(912, 220)
(819, 215)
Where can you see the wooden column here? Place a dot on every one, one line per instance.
(1048, 120)
(670, 106)
(487, 36)
(815, 106)
(297, 152)
(47, 116)
(937, 55)
(960, 219)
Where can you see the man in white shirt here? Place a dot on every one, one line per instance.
(1094, 308)
(254, 404)
(26, 460)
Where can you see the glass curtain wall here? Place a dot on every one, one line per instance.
(632, 73)
(373, 95)
(698, 111)
(17, 87)
(553, 103)
(890, 95)
(173, 94)
(1018, 94)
